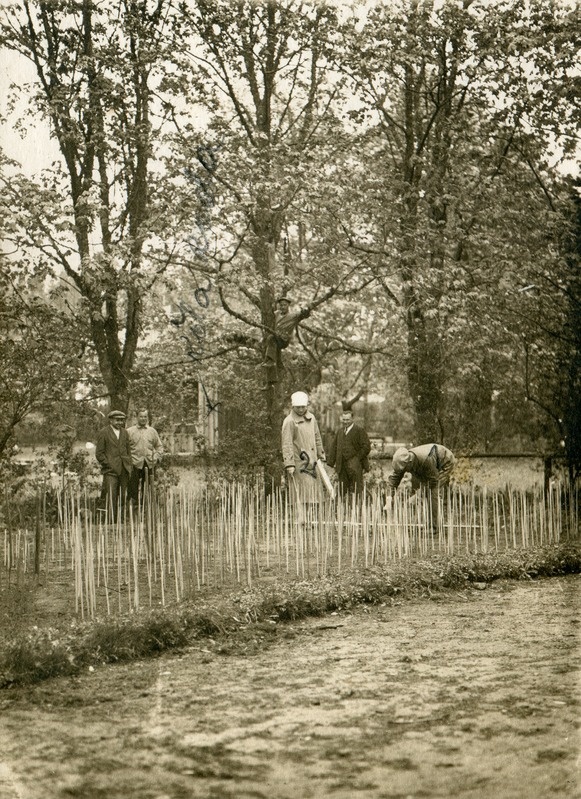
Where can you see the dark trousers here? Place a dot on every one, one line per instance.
(351, 476)
(272, 358)
(114, 493)
(433, 493)
(140, 483)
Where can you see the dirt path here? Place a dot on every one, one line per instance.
(474, 695)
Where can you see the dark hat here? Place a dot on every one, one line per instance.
(117, 415)
(284, 299)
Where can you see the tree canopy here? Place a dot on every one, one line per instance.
(391, 170)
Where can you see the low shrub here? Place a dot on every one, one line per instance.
(37, 654)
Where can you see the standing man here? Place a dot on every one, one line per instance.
(430, 465)
(348, 453)
(302, 446)
(146, 451)
(112, 452)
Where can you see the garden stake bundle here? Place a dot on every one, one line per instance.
(180, 542)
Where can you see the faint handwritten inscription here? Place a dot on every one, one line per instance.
(191, 318)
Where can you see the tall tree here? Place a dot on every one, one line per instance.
(96, 215)
(39, 352)
(450, 113)
(262, 169)
(566, 382)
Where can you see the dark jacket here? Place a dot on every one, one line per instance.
(431, 463)
(431, 466)
(113, 453)
(345, 447)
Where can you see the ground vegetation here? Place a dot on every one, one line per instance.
(36, 644)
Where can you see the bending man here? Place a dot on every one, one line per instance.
(430, 465)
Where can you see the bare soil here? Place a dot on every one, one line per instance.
(472, 694)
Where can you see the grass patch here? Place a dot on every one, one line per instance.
(39, 653)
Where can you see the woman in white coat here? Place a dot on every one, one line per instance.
(302, 446)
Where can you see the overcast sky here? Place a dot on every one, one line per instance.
(36, 150)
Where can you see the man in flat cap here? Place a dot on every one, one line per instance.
(430, 465)
(302, 447)
(114, 455)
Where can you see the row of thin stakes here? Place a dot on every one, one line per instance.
(181, 541)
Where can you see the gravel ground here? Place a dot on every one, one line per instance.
(471, 694)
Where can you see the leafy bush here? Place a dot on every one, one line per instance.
(38, 654)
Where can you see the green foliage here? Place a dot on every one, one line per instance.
(462, 203)
(38, 654)
(128, 639)
(28, 492)
(95, 215)
(568, 365)
(38, 351)
(393, 173)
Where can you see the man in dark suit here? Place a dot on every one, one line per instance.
(348, 453)
(114, 456)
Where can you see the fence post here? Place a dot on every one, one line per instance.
(37, 536)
